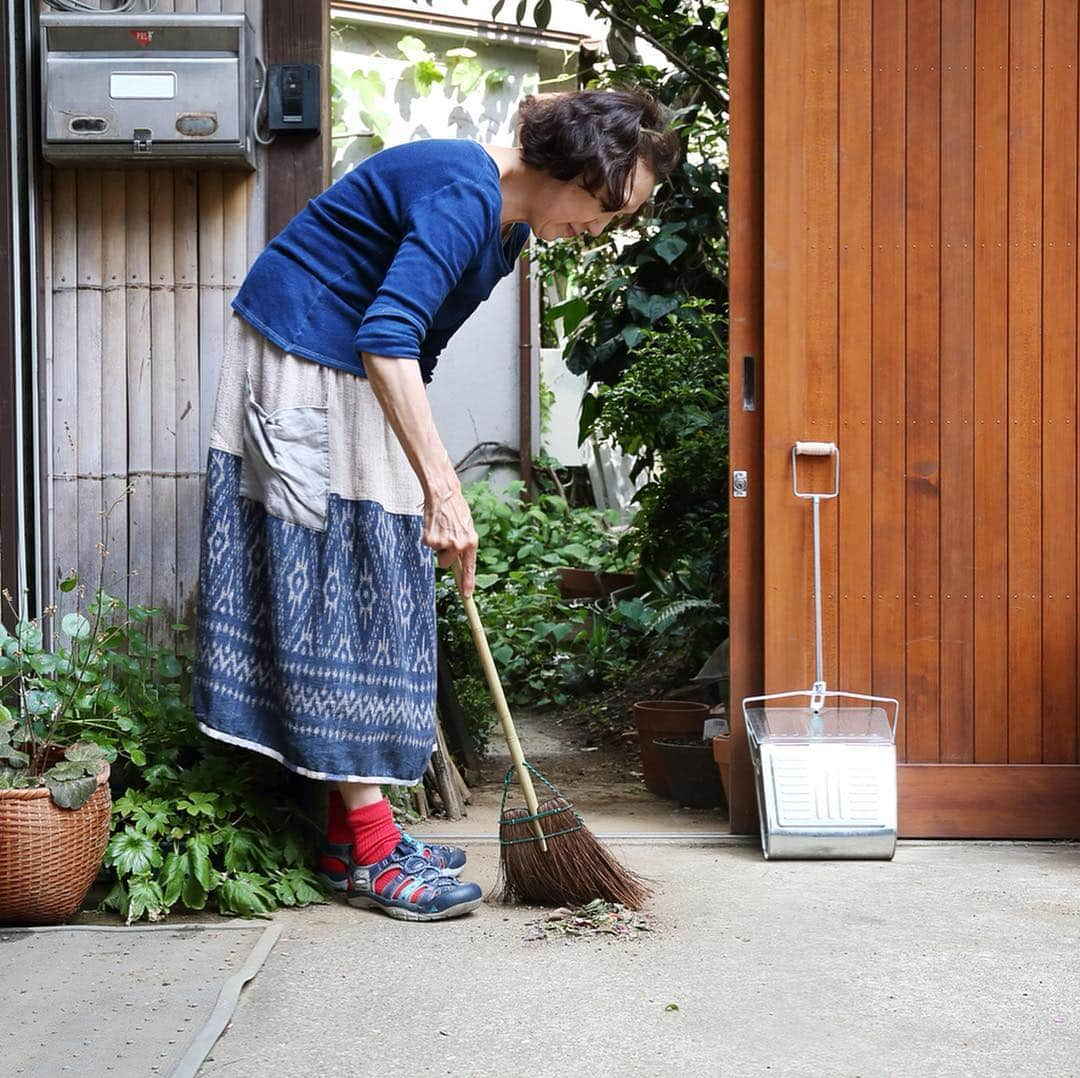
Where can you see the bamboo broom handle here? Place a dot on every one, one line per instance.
(499, 698)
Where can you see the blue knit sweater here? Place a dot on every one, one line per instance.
(390, 259)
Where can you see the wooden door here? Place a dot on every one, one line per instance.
(919, 282)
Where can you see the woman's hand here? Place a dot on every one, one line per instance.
(448, 529)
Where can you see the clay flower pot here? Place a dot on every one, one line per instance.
(665, 718)
(691, 771)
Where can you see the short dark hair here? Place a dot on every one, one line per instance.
(599, 135)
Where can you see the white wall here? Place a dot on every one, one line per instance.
(475, 390)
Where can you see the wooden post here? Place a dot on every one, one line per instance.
(747, 524)
(297, 32)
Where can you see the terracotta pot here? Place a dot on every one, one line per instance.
(51, 855)
(721, 748)
(665, 718)
(691, 771)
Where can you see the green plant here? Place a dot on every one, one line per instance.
(213, 829)
(198, 820)
(669, 409)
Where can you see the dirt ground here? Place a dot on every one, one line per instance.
(601, 776)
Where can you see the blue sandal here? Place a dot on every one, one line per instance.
(336, 856)
(407, 886)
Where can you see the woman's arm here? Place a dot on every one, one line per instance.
(448, 527)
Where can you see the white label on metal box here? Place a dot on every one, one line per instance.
(147, 84)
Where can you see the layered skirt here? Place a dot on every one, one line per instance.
(316, 636)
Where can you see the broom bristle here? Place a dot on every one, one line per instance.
(575, 869)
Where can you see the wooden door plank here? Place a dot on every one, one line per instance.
(957, 336)
(1024, 428)
(1059, 742)
(819, 369)
(854, 551)
(1004, 801)
(889, 342)
(922, 386)
(746, 518)
(787, 595)
(991, 381)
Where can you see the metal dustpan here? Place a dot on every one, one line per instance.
(825, 775)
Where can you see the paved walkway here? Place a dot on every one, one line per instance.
(953, 959)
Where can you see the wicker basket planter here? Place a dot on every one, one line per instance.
(51, 855)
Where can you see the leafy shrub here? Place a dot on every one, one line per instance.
(198, 820)
(670, 409)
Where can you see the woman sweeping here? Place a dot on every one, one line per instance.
(328, 486)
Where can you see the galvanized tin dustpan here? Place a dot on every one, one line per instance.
(825, 775)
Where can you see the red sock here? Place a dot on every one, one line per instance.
(338, 830)
(374, 832)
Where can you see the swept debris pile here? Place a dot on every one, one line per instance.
(596, 918)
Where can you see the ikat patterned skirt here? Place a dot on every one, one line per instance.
(316, 608)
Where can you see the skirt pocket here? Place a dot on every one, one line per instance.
(286, 460)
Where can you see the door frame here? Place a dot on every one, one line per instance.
(746, 401)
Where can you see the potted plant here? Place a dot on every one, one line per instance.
(55, 802)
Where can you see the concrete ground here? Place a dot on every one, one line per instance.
(953, 959)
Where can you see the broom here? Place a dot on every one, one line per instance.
(547, 856)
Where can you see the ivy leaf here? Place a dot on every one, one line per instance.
(168, 665)
(650, 305)
(670, 247)
(572, 311)
(44, 663)
(42, 701)
(71, 793)
(497, 76)
(85, 752)
(28, 635)
(413, 49)
(425, 74)
(69, 583)
(467, 73)
(132, 853)
(76, 626)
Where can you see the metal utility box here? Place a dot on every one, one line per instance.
(147, 89)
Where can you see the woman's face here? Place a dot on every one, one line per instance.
(573, 210)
